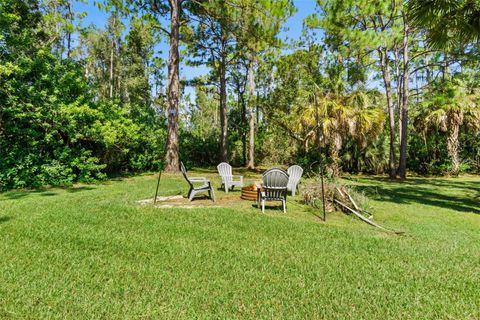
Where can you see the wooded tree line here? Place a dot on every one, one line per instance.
(376, 87)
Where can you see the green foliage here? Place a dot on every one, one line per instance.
(53, 133)
(450, 106)
(448, 24)
(53, 129)
(81, 109)
(315, 106)
(272, 148)
(45, 118)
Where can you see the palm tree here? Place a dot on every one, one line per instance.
(448, 23)
(448, 106)
(331, 118)
(336, 120)
(367, 119)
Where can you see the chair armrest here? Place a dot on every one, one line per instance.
(235, 178)
(197, 179)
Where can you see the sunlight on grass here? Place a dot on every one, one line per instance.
(92, 252)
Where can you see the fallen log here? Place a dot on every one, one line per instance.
(353, 202)
(365, 219)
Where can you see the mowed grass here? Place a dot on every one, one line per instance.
(91, 252)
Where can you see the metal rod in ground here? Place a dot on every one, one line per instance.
(323, 192)
(158, 184)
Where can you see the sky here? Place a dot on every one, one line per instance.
(293, 30)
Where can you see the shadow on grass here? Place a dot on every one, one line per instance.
(433, 182)
(48, 194)
(270, 206)
(5, 219)
(425, 191)
(79, 189)
(293, 205)
(14, 195)
(235, 190)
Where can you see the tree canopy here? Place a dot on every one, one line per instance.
(374, 87)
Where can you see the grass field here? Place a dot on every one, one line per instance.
(92, 252)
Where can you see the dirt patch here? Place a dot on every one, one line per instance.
(160, 199)
(229, 200)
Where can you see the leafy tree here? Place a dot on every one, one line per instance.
(340, 117)
(362, 32)
(55, 128)
(139, 61)
(20, 32)
(212, 43)
(312, 105)
(448, 106)
(260, 24)
(177, 12)
(77, 110)
(103, 55)
(238, 82)
(45, 124)
(448, 24)
(60, 22)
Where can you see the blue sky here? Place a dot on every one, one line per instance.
(293, 30)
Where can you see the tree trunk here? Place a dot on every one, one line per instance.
(398, 89)
(69, 33)
(453, 143)
(392, 173)
(118, 50)
(318, 124)
(244, 134)
(445, 66)
(111, 67)
(427, 70)
(336, 148)
(305, 145)
(223, 104)
(173, 91)
(402, 169)
(251, 113)
(257, 112)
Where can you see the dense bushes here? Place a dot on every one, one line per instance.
(55, 125)
(45, 118)
(54, 132)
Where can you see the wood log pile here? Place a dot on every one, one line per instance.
(340, 197)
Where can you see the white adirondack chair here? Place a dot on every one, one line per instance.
(294, 174)
(228, 181)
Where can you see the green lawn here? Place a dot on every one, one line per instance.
(92, 252)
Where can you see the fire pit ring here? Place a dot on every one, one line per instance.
(249, 193)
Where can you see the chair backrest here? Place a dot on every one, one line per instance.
(295, 173)
(275, 183)
(225, 171)
(184, 172)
